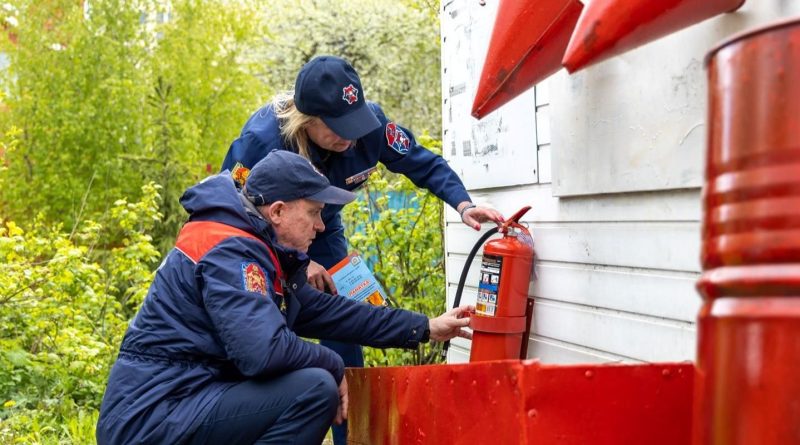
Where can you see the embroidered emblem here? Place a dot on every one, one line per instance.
(253, 278)
(360, 177)
(240, 173)
(397, 139)
(350, 94)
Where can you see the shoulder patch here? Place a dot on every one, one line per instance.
(240, 173)
(397, 138)
(253, 278)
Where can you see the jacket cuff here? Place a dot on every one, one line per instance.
(421, 333)
(338, 372)
(457, 198)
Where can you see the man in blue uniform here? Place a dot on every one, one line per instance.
(327, 120)
(214, 354)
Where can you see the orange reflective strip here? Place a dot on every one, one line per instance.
(198, 237)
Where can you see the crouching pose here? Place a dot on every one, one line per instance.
(215, 353)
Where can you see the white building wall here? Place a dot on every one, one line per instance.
(617, 151)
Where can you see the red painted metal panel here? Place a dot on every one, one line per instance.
(528, 42)
(749, 327)
(610, 27)
(514, 402)
(610, 404)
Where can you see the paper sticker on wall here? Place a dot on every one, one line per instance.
(500, 149)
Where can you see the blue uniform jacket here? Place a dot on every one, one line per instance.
(213, 316)
(390, 144)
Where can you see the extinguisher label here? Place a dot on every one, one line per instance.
(487, 288)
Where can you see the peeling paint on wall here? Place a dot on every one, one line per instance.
(499, 150)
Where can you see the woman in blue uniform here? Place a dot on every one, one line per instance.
(327, 120)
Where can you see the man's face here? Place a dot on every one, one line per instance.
(325, 138)
(299, 223)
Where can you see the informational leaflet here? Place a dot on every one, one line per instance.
(487, 288)
(354, 280)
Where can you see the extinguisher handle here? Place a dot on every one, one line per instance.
(514, 218)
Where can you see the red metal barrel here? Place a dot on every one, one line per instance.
(748, 386)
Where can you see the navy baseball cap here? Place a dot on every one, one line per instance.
(329, 87)
(286, 176)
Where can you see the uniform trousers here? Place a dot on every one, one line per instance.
(295, 408)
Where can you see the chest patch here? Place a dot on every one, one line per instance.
(397, 138)
(253, 278)
(240, 173)
(360, 177)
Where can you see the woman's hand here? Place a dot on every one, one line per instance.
(474, 216)
(450, 324)
(319, 278)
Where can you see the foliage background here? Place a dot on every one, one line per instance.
(396, 226)
(109, 109)
(395, 50)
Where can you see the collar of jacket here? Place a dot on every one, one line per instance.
(292, 261)
(320, 156)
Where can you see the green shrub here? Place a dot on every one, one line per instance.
(102, 96)
(65, 299)
(403, 240)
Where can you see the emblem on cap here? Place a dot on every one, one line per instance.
(253, 278)
(350, 94)
(397, 138)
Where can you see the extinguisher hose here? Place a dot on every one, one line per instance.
(463, 279)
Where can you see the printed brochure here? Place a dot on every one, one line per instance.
(354, 280)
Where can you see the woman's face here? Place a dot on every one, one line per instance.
(325, 138)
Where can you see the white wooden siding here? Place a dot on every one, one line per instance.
(543, 152)
(618, 251)
(615, 273)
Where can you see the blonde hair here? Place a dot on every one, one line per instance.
(293, 123)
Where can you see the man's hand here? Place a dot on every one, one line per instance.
(341, 413)
(450, 324)
(319, 278)
(474, 216)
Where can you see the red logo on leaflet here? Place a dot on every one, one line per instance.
(397, 139)
(358, 288)
(350, 94)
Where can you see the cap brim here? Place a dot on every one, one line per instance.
(355, 124)
(333, 195)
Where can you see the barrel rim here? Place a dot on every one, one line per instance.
(748, 33)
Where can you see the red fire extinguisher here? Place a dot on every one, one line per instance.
(500, 320)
